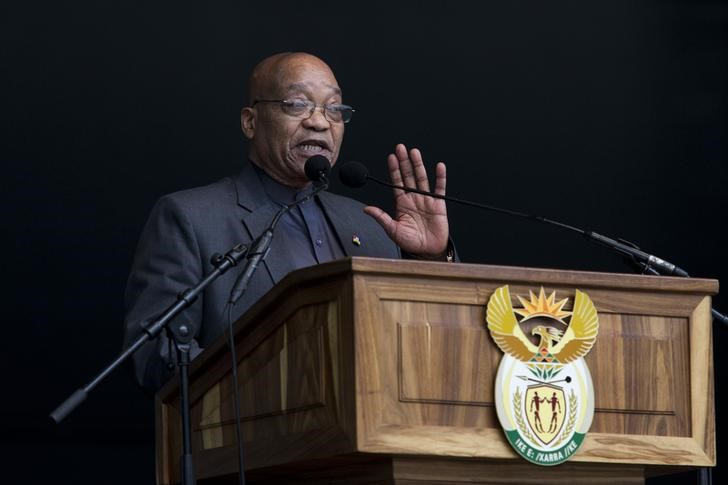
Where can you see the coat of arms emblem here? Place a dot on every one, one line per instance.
(543, 392)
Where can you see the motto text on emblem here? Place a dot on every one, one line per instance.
(543, 391)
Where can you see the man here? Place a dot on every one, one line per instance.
(295, 111)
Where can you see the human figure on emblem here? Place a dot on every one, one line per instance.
(555, 404)
(536, 403)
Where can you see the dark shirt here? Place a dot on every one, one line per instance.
(304, 230)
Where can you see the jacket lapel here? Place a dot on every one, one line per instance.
(259, 212)
(357, 238)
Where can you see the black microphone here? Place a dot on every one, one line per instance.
(316, 169)
(355, 174)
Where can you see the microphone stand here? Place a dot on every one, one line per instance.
(182, 336)
(260, 247)
(647, 262)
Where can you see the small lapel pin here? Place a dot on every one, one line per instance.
(355, 240)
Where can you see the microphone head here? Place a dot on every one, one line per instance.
(353, 174)
(317, 167)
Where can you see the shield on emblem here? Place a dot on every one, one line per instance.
(545, 408)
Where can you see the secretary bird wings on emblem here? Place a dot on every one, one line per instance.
(574, 343)
(582, 332)
(504, 328)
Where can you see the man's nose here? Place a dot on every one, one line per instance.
(317, 121)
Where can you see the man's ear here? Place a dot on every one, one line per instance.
(247, 122)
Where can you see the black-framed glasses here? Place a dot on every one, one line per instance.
(304, 108)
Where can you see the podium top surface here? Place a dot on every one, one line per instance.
(464, 271)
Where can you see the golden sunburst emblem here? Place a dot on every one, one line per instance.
(542, 306)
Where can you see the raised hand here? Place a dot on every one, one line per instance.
(420, 224)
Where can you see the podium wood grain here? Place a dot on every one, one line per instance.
(386, 366)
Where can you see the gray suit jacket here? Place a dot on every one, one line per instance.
(186, 228)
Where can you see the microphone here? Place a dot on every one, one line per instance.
(355, 174)
(316, 168)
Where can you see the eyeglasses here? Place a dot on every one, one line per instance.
(304, 108)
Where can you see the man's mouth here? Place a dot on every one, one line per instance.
(313, 147)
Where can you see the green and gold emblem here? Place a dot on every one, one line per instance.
(543, 392)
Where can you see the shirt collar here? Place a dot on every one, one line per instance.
(279, 193)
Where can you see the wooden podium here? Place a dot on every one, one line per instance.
(382, 371)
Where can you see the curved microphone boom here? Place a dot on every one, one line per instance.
(355, 174)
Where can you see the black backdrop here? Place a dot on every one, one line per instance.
(606, 115)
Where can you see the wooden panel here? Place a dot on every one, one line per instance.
(455, 363)
(444, 364)
(701, 379)
(428, 364)
(640, 365)
(421, 471)
(273, 361)
(641, 375)
(283, 383)
(412, 470)
(293, 389)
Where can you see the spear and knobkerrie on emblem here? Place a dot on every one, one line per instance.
(543, 391)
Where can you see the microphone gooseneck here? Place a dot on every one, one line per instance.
(355, 174)
(316, 169)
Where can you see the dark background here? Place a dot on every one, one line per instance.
(605, 115)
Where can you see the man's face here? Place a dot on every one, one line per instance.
(280, 143)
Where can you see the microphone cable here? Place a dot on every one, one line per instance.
(316, 169)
